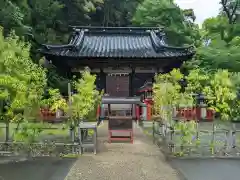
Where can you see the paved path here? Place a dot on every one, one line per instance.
(122, 161)
(209, 169)
(37, 169)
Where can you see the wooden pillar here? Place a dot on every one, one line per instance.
(103, 80)
(131, 85)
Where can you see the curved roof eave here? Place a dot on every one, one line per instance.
(87, 43)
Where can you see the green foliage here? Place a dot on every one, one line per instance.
(28, 132)
(223, 50)
(218, 58)
(84, 101)
(218, 87)
(22, 86)
(114, 13)
(57, 81)
(196, 80)
(223, 32)
(11, 16)
(49, 20)
(235, 106)
(22, 82)
(189, 14)
(167, 94)
(187, 133)
(164, 13)
(55, 100)
(221, 88)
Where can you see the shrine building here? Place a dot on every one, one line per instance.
(123, 58)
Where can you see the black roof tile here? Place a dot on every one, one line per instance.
(117, 43)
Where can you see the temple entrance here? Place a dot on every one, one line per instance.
(117, 84)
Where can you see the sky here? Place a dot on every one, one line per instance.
(203, 9)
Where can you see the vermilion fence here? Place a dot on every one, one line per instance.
(47, 115)
(195, 114)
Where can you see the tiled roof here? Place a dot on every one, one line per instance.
(146, 86)
(117, 43)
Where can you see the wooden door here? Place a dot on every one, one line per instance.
(117, 85)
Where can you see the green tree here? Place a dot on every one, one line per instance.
(84, 101)
(220, 44)
(220, 40)
(167, 94)
(231, 9)
(114, 13)
(164, 13)
(12, 16)
(218, 87)
(22, 82)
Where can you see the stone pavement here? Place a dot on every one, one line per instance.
(209, 169)
(123, 161)
(36, 169)
(11, 159)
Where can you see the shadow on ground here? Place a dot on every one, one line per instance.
(37, 169)
(209, 169)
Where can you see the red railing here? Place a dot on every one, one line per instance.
(47, 115)
(194, 114)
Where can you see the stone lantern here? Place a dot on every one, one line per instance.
(201, 104)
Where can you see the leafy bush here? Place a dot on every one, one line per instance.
(22, 85)
(187, 134)
(85, 100)
(218, 87)
(22, 82)
(167, 94)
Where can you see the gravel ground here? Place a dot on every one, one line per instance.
(120, 161)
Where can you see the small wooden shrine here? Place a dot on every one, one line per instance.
(120, 121)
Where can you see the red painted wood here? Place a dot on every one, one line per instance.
(47, 115)
(116, 138)
(194, 114)
(144, 90)
(149, 112)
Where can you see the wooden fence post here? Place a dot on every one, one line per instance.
(7, 131)
(153, 131)
(71, 130)
(213, 139)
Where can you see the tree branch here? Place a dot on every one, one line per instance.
(230, 15)
(234, 18)
(225, 9)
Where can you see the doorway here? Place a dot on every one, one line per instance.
(117, 84)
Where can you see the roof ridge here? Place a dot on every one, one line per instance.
(122, 30)
(115, 28)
